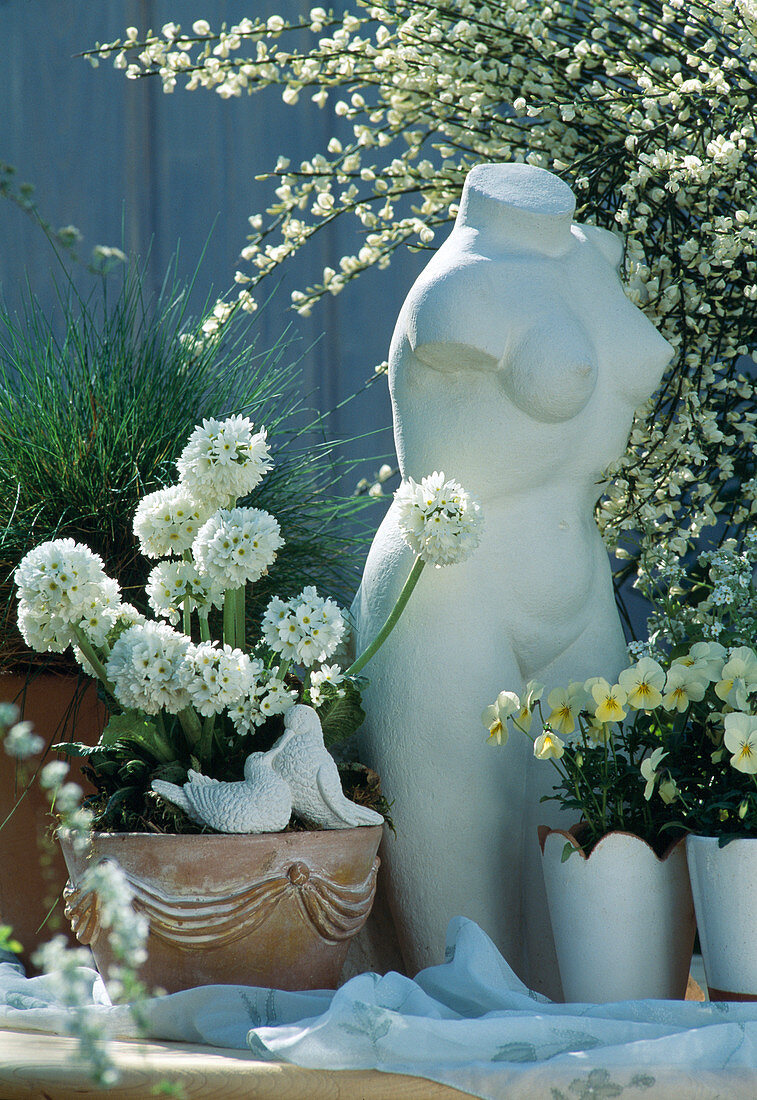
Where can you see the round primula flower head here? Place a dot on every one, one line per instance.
(167, 521)
(307, 628)
(224, 459)
(172, 582)
(269, 697)
(62, 584)
(146, 668)
(217, 677)
(439, 521)
(237, 545)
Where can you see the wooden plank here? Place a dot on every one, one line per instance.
(34, 1066)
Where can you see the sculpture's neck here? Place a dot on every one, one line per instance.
(502, 226)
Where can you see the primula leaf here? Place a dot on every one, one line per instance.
(75, 748)
(340, 712)
(567, 851)
(125, 725)
(134, 727)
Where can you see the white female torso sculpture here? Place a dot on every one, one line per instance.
(515, 367)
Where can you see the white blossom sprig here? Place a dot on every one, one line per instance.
(610, 96)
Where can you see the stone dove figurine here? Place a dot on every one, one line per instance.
(261, 803)
(302, 760)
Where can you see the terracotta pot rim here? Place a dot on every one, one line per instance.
(204, 837)
(571, 836)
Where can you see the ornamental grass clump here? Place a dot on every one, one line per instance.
(644, 107)
(94, 405)
(203, 697)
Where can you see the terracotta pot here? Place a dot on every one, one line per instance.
(623, 919)
(724, 885)
(273, 910)
(32, 871)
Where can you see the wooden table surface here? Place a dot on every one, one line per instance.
(42, 1067)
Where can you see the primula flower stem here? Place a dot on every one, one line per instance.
(204, 628)
(87, 649)
(390, 623)
(240, 617)
(187, 618)
(229, 618)
(190, 723)
(205, 745)
(160, 743)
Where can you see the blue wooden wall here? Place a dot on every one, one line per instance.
(129, 165)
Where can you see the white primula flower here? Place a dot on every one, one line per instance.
(102, 612)
(307, 628)
(217, 677)
(166, 522)
(145, 668)
(236, 546)
(62, 584)
(326, 674)
(270, 696)
(171, 582)
(439, 521)
(224, 459)
(741, 739)
(42, 632)
(127, 616)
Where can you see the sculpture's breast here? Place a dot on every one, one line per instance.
(505, 369)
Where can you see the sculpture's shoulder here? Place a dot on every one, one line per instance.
(453, 317)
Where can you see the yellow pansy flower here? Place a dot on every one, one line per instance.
(649, 771)
(525, 715)
(682, 686)
(566, 704)
(495, 717)
(548, 745)
(741, 739)
(643, 684)
(609, 699)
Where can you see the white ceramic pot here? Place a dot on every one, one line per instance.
(623, 919)
(724, 885)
